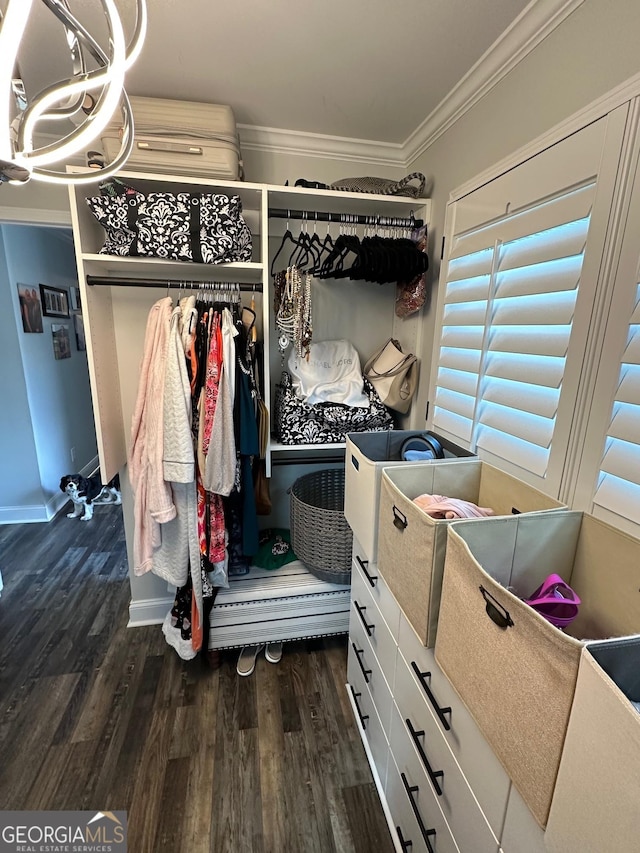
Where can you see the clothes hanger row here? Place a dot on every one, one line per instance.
(375, 258)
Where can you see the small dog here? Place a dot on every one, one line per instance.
(85, 492)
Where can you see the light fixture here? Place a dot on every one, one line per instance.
(88, 99)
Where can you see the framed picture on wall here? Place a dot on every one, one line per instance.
(55, 301)
(61, 343)
(74, 296)
(30, 308)
(78, 324)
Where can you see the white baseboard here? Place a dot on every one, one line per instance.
(54, 505)
(24, 514)
(148, 611)
(90, 467)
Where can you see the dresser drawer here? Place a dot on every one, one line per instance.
(404, 820)
(454, 796)
(370, 619)
(362, 664)
(366, 573)
(367, 716)
(418, 790)
(484, 773)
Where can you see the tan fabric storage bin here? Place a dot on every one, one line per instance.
(367, 453)
(518, 681)
(412, 545)
(596, 802)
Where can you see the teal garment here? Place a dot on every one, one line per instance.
(275, 539)
(248, 447)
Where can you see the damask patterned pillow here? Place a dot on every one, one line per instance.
(204, 227)
(298, 422)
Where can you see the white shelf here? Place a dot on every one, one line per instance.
(289, 603)
(179, 270)
(276, 447)
(347, 202)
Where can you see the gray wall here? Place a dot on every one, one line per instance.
(594, 50)
(20, 489)
(46, 402)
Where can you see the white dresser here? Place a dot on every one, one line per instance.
(442, 788)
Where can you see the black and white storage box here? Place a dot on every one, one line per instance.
(514, 670)
(596, 802)
(366, 456)
(412, 545)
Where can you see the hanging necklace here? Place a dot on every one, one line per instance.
(305, 329)
(293, 311)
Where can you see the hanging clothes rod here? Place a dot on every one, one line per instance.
(97, 280)
(346, 218)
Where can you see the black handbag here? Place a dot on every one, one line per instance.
(207, 228)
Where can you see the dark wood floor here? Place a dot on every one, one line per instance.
(97, 716)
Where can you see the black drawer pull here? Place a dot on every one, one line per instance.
(404, 844)
(495, 611)
(368, 628)
(363, 717)
(441, 712)
(434, 775)
(426, 833)
(399, 519)
(363, 565)
(358, 652)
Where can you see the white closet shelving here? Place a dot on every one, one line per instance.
(115, 316)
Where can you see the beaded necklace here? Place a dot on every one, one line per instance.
(293, 311)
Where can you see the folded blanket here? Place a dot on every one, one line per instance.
(439, 506)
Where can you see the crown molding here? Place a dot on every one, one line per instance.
(299, 144)
(530, 28)
(533, 25)
(34, 216)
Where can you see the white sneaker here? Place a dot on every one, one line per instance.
(273, 652)
(247, 659)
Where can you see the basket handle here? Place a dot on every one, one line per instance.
(399, 519)
(495, 611)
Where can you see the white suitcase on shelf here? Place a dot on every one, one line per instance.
(179, 138)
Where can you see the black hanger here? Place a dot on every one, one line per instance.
(286, 236)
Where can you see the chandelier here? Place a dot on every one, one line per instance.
(86, 101)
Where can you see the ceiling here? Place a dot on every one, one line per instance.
(360, 69)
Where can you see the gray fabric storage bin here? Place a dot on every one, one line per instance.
(412, 545)
(366, 455)
(596, 802)
(518, 681)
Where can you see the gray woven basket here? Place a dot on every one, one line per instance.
(320, 535)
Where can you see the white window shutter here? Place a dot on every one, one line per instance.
(618, 487)
(511, 290)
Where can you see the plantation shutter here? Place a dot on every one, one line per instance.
(516, 305)
(618, 487)
(511, 291)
